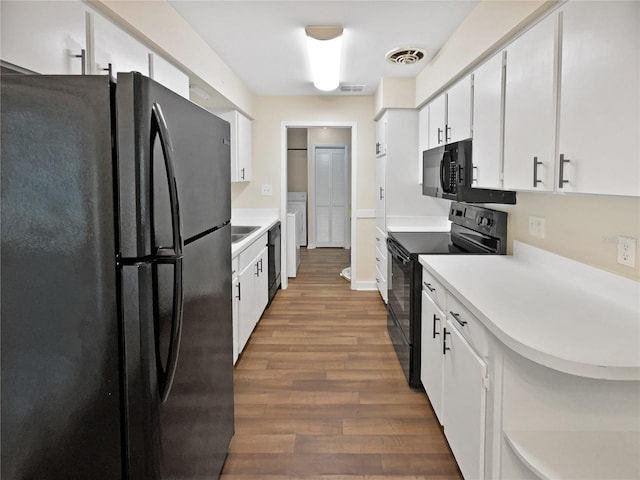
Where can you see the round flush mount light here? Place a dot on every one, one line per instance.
(405, 55)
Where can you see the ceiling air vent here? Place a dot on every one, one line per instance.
(405, 56)
(351, 88)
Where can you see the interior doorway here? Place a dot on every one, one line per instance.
(331, 224)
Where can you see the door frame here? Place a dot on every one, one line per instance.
(311, 188)
(283, 185)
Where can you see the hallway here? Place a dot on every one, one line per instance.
(320, 394)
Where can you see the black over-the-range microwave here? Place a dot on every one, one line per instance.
(447, 172)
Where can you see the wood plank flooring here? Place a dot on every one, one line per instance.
(320, 394)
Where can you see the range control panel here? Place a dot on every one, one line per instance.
(480, 219)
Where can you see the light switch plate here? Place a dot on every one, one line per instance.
(536, 226)
(627, 251)
(267, 190)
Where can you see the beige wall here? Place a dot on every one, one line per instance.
(394, 92)
(582, 227)
(270, 113)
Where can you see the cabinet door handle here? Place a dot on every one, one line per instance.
(439, 133)
(535, 172)
(83, 60)
(562, 180)
(444, 341)
(474, 177)
(242, 174)
(260, 265)
(447, 130)
(435, 319)
(377, 147)
(429, 287)
(109, 69)
(238, 296)
(457, 317)
(381, 193)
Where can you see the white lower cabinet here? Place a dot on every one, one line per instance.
(431, 358)
(464, 397)
(251, 292)
(454, 374)
(382, 264)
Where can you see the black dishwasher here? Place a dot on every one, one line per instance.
(274, 248)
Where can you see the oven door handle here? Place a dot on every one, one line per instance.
(397, 254)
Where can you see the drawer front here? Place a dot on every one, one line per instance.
(381, 241)
(251, 252)
(434, 289)
(381, 283)
(235, 266)
(467, 324)
(382, 265)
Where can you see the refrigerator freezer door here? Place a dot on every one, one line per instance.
(187, 436)
(60, 357)
(197, 420)
(199, 144)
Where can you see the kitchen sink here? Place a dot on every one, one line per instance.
(239, 232)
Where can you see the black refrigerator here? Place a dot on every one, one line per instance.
(116, 329)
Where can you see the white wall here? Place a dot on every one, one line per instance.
(581, 227)
(270, 113)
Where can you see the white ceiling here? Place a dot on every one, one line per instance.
(263, 41)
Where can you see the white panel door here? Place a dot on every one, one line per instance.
(331, 197)
(431, 358)
(437, 120)
(44, 37)
(464, 403)
(459, 111)
(600, 97)
(487, 106)
(530, 112)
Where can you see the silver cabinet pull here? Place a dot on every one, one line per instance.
(561, 180)
(83, 60)
(447, 130)
(429, 287)
(439, 133)
(535, 172)
(457, 317)
(381, 193)
(238, 296)
(474, 177)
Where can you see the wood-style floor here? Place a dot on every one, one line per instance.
(319, 392)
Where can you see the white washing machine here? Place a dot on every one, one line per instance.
(297, 202)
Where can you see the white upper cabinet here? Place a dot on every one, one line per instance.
(240, 145)
(458, 125)
(600, 98)
(437, 121)
(530, 109)
(487, 124)
(44, 37)
(168, 75)
(115, 47)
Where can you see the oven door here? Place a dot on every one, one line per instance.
(399, 287)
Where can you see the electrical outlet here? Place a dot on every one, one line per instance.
(267, 190)
(627, 251)
(536, 226)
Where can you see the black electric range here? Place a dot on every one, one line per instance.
(474, 230)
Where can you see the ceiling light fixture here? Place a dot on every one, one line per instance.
(324, 43)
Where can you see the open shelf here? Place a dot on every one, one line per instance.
(612, 455)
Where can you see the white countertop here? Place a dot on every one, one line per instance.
(264, 220)
(562, 314)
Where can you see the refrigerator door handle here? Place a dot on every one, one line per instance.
(170, 255)
(159, 127)
(176, 330)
